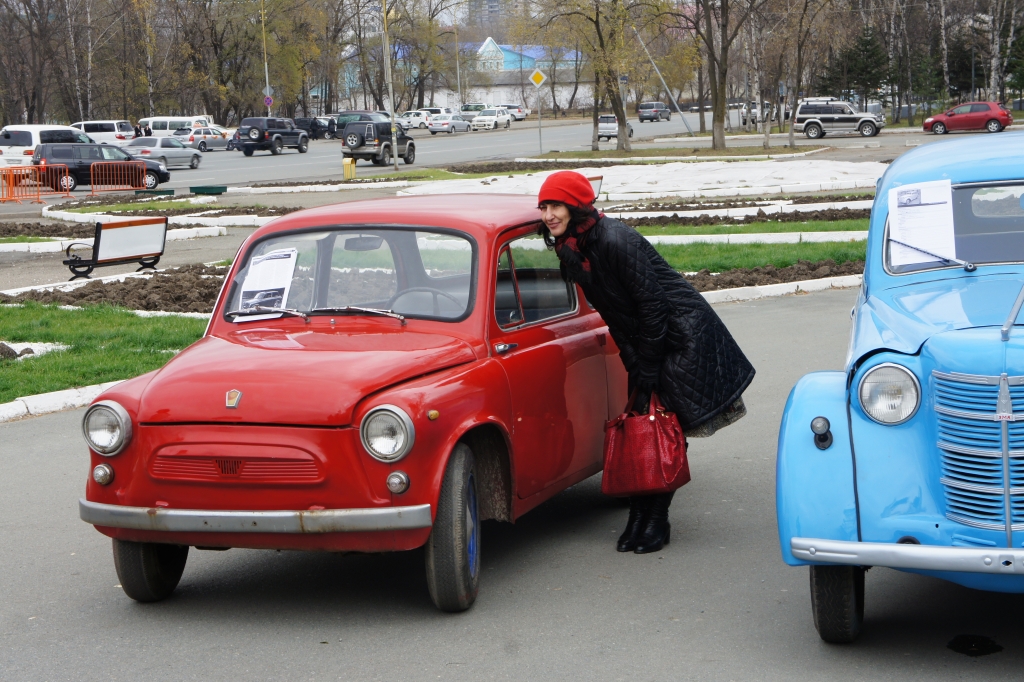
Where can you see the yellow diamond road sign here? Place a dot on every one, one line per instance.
(538, 78)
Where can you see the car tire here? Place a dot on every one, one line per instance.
(423, 125)
(837, 602)
(813, 131)
(196, 160)
(152, 180)
(630, 132)
(149, 571)
(385, 156)
(508, 124)
(303, 145)
(410, 154)
(994, 126)
(433, 132)
(939, 128)
(451, 131)
(247, 151)
(868, 129)
(202, 146)
(276, 146)
(66, 183)
(453, 549)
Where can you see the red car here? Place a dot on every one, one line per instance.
(377, 376)
(990, 116)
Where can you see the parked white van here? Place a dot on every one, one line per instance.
(107, 132)
(18, 142)
(164, 126)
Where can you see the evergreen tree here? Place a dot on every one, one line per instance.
(869, 65)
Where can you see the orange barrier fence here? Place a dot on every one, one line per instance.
(106, 176)
(30, 183)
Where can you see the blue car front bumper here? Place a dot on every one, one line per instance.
(997, 560)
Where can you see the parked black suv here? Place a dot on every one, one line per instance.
(79, 159)
(371, 140)
(271, 133)
(654, 111)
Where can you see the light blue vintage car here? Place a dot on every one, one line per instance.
(913, 457)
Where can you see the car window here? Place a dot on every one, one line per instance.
(488, 112)
(90, 153)
(607, 119)
(60, 152)
(15, 138)
(159, 125)
(142, 142)
(507, 309)
(174, 125)
(173, 143)
(965, 109)
(648, 106)
(415, 273)
(538, 280)
(979, 108)
(125, 127)
(62, 136)
(114, 154)
(250, 122)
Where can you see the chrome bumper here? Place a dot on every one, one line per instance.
(287, 521)
(996, 560)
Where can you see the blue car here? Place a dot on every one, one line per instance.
(912, 457)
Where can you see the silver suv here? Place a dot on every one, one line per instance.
(819, 116)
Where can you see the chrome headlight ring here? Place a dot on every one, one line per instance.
(117, 417)
(867, 391)
(387, 433)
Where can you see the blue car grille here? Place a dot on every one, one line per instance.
(971, 415)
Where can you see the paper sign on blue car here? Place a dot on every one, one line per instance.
(921, 218)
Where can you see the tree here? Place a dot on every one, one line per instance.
(869, 65)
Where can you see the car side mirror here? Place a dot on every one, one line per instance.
(950, 113)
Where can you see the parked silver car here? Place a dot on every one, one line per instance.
(448, 123)
(168, 150)
(203, 139)
(608, 127)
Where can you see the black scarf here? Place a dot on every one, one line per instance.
(575, 266)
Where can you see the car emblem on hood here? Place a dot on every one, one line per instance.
(232, 398)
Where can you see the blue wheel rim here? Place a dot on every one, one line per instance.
(472, 529)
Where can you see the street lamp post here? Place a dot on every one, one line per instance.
(391, 87)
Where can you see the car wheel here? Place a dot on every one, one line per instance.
(202, 146)
(433, 132)
(939, 128)
(276, 146)
(152, 180)
(451, 131)
(385, 156)
(247, 151)
(149, 571)
(453, 549)
(837, 602)
(508, 124)
(67, 183)
(303, 145)
(630, 132)
(196, 160)
(423, 125)
(867, 129)
(813, 131)
(993, 126)
(410, 154)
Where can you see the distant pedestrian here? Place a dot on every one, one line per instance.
(148, 131)
(332, 127)
(314, 129)
(138, 130)
(670, 340)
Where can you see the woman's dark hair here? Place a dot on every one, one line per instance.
(576, 216)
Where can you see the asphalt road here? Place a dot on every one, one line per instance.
(556, 601)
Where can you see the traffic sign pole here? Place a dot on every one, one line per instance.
(538, 78)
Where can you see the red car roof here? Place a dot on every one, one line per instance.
(481, 215)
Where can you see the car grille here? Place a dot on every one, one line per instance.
(235, 469)
(980, 439)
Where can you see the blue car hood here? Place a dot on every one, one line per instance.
(901, 319)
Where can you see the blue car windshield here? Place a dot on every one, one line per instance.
(988, 225)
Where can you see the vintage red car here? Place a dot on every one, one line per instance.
(378, 375)
(990, 116)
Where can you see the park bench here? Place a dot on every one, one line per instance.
(140, 240)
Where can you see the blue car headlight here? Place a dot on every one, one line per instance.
(889, 394)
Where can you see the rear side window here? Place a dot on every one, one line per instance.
(99, 128)
(125, 127)
(60, 152)
(143, 142)
(15, 138)
(88, 153)
(174, 125)
(251, 122)
(61, 137)
(648, 106)
(159, 125)
(979, 108)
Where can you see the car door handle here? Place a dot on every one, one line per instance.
(502, 348)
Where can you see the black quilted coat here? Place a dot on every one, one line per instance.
(667, 334)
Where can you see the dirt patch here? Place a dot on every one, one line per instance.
(830, 215)
(696, 205)
(510, 166)
(769, 274)
(804, 199)
(68, 230)
(361, 181)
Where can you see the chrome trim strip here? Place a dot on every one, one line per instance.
(284, 521)
(1005, 408)
(966, 378)
(973, 487)
(961, 450)
(976, 416)
(994, 560)
(974, 524)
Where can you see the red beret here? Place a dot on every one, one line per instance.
(567, 187)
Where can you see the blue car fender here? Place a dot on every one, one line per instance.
(815, 493)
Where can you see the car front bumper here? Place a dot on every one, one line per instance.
(995, 560)
(283, 521)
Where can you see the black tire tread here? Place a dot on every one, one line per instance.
(148, 571)
(837, 602)
(451, 586)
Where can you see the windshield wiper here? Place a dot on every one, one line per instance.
(261, 310)
(1008, 325)
(969, 267)
(357, 309)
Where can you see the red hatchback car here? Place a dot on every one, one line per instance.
(377, 376)
(990, 116)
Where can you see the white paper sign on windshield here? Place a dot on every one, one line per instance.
(269, 279)
(921, 215)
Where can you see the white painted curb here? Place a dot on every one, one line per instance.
(760, 238)
(746, 191)
(80, 397)
(682, 159)
(59, 245)
(776, 206)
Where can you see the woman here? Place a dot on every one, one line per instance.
(670, 340)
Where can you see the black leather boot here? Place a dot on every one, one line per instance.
(634, 525)
(657, 529)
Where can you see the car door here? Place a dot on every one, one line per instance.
(554, 360)
(979, 116)
(959, 118)
(173, 150)
(85, 155)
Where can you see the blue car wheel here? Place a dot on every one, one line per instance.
(453, 550)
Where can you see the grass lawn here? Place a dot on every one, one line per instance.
(106, 344)
(23, 239)
(722, 257)
(758, 228)
(675, 151)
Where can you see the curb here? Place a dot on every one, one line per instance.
(59, 245)
(226, 221)
(760, 238)
(680, 159)
(775, 207)
(72, 398)
(747, 191)
(316, 188)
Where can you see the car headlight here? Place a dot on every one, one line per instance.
(929, 120)
(162, 166)
(387, 433)
(107, 428)
(889, 393)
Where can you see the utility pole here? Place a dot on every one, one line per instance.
(458, 75)
(266, 69)
(662, 79)
(391, 87)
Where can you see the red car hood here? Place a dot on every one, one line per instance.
(312, 378)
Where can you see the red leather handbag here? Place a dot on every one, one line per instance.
(644, 454)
